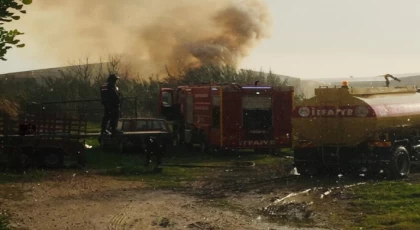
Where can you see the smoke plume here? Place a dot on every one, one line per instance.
(151, 34)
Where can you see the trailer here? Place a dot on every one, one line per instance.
(42, 139)
(229, 116)
(367, 130)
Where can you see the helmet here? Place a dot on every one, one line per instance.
(113, 77)
(345, 83)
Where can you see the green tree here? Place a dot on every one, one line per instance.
(8, 38)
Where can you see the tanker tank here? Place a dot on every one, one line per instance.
(339, 127)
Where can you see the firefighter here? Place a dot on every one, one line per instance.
(345, 85)
(110, 98)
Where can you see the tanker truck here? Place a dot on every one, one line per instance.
(370, 130)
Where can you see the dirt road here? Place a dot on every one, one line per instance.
(234, 195)
(72, 201)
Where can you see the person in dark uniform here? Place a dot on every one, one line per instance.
(110, 97)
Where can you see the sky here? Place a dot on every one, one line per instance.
(316, 39)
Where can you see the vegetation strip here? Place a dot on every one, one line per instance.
(387, 205)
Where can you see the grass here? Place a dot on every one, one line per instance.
(179, 168)
(32, 175)
(388, 205)
(382, 205)
(4, 222)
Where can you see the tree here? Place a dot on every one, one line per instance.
(7, 14)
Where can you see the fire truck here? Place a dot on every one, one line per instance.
(229, 116)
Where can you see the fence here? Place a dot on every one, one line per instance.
(92, 108)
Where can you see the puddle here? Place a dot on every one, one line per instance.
(304, 196)
(295, 206)
(299, 206)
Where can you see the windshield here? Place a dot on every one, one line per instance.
(257, 113)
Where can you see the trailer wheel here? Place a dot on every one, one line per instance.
(53, 159)
(399, 165)
(20, 160)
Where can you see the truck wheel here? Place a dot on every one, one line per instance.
(20, 160)
(53, 160)
(399, 165)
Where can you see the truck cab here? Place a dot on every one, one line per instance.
(229, 116)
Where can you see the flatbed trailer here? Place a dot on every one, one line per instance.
(42, 139)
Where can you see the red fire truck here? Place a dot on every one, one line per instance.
(229, 116)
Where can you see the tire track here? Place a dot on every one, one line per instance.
(121, 221)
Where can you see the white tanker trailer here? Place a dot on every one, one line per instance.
(372, 129)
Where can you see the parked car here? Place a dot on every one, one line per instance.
(139, 135)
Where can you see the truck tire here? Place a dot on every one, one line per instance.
(399, 165)
(20, 160)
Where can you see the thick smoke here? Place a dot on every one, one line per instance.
(151, 34)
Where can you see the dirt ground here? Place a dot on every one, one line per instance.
(249, 197)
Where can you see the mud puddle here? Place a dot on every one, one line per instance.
(301, 206)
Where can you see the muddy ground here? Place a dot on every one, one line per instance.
(242, 195)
